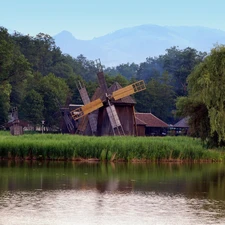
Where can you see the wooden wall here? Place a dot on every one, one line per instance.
(140, 130)
(126, 116)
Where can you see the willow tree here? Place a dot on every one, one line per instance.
(206, 85)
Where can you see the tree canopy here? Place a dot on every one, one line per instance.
(33, 69)
(206, 99)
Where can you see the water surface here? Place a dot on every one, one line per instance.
(97, 193)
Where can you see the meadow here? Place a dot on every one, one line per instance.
(106, 148)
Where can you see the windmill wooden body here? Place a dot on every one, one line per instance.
(110, 111)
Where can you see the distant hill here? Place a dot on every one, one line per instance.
(135, 44)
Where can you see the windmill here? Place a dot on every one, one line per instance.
(100, 112)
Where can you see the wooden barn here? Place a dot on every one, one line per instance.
(150, 125)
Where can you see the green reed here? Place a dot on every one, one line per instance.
(75, 147)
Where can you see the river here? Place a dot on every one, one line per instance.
(68, 193)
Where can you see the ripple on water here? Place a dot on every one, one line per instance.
(67, 207)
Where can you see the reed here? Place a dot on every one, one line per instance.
(75, 147)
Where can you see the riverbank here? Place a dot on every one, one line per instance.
(85, 148)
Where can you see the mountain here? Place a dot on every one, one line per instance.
(135, 44)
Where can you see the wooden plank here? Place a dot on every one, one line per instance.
(129, 90)
(123, 92)
(86, 109)
(92, 106)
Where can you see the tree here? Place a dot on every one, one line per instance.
(14, 70)
(180, 63)
(32, 107)
(5, 90)
(150, 69)
(158, 98)
(54, 92)
(6, 52)
(19, 73)
(126, 70)
(206, 86)
(118, 78)
(197, 114)
(40, 51)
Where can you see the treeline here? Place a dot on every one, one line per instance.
(37, 78)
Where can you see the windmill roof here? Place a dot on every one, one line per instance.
(150, 120)
(182, 123)
(114, 87)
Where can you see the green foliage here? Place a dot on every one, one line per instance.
(118, 78)
(197, 115)
(14, 70)
(180, 64)
(6, 52)
(206, 99)
(54, 91)
(128, 70)
(158, 98)
(32, 107)
(5, 90)
(41, 51)
(70, 147)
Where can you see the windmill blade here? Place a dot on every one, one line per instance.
(86, 109)
(68, 122)
(113, 116)
(83, 93)
(129, 90)
(102, 82)
(86, 100)
(101, 77)
(114, 120)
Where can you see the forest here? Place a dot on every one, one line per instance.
(37, 78)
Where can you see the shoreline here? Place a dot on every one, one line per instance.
(96, 160)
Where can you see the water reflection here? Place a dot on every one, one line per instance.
(99, 193)
(191, 180)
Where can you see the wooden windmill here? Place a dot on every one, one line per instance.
(105, 112)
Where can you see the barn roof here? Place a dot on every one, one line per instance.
(150, 120)
(183, 123)
(115, 86)
(139, 121)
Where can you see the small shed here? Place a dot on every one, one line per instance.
(153, 125)
(16, 126)
(181, 127)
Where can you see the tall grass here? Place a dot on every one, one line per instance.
(74, 147)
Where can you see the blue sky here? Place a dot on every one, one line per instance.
(87, 19)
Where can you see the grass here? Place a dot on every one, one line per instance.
(74, 147)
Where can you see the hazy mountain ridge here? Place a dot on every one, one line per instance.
(135, 44)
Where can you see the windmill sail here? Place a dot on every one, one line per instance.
(102, 82)
(86, 109)
(113, 117)
(129, 90)
(85, 98)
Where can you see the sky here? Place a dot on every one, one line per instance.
(87, 19)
